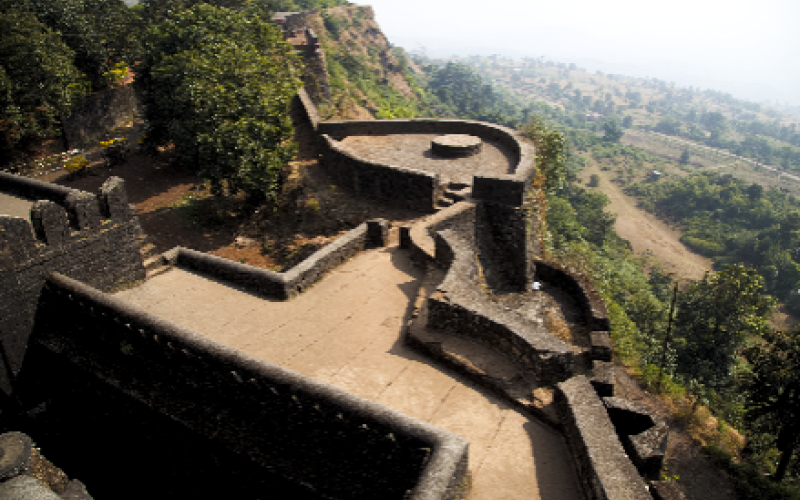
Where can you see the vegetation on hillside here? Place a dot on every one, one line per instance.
(733, 222)
(38, 81)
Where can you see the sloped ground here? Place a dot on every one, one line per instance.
(649, 236)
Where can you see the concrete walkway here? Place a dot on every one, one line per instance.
(345, 331)
(15, 206)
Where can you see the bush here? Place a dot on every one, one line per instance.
(703, 247)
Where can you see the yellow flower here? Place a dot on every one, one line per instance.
(75, 164)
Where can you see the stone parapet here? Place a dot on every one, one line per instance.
(394, 185)
(604, 469)
(343, 445)
(93, 238)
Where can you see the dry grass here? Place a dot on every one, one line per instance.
(698, 421)
(556, 325)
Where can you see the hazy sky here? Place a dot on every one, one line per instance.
(746, 47)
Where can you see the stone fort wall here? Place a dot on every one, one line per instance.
(345, 446)
(88, 237)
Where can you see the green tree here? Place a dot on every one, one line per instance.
(685, 157)
(627, 122)
(218, 85)
(98, 31)
(38, 81)
(714, 318)
(612, 131)
(773, 407)
(550, 147)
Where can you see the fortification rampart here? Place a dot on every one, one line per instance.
(346, 446)
(315, 77)
(284, 286)
(391, 184)
(87, 237)
(460, 305)
(509, 189)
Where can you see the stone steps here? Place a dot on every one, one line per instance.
(454, 192)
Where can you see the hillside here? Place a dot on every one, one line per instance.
(368, 77)
(751, 141)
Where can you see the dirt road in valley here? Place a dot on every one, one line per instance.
(648, 235)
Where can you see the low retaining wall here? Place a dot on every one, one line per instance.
(284, 286)
(605, 471)
(344, 446)
(88, 237)
(308, 107)
(593, 309)
(390, 184)
(460, 305)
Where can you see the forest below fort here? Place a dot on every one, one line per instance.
(715, 350)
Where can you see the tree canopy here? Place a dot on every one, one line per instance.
(774, 387)
(218, 84)
(38, 81)
(715, 317)
(99, 32)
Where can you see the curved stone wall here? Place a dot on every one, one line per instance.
(389, 184)
(461, 306)
(593, 309)
(507, 189)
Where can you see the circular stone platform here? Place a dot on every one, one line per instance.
(456, 145)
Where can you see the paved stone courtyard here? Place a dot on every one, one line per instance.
(414, 151)
(346, 331)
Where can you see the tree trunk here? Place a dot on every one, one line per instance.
(783, 465)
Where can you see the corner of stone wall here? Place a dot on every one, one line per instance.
(91, 238)
(600, 459)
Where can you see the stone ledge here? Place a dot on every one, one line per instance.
(643, 436)
(605, 470)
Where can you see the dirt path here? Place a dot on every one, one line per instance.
(648, 235)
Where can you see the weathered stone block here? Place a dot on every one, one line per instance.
(16, 238)
(667, 490)
(603, 378)
(50, 223)
(601, 346)
(604, 468)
